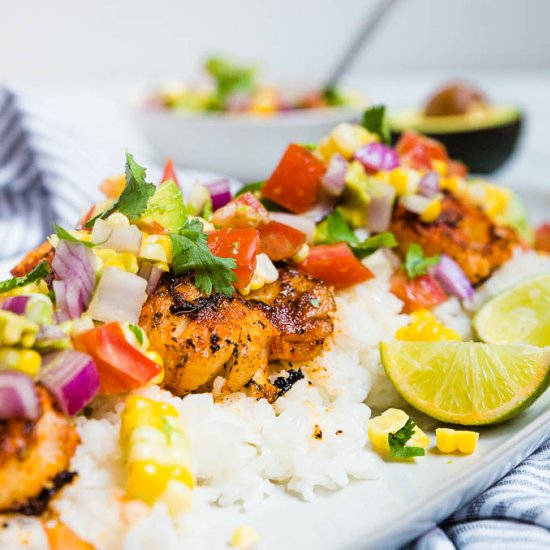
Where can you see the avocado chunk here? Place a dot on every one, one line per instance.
(473, 130)
(166, 207)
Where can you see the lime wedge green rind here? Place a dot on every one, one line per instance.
(467, 383)
(518, 315)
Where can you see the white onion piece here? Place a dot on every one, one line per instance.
(415, 203)
(119, 296)
(126, 238)
(380, 208)
(18, 397)
(334, 180)
(322, 208)
(301, 223)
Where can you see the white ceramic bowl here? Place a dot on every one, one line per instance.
(244, 146)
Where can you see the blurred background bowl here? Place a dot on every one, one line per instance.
(240, 145)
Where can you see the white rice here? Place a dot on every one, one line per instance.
(244, 449)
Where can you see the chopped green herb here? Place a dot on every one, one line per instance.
(191, 253)
(39, 272)
(250, 188)
(416, 263)
(334, 97)
(229, 78)
(372, 244)
(339, 230)
(315, 303)
(66, 236)
(398, 439)
(137, 332)
(375, 121)
(309, 146)
(133, 199)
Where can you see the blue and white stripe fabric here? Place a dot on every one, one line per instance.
(47, 176)
(44, 176)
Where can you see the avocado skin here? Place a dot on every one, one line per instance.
(483, 150)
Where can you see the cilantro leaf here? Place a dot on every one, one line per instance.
(39, 272)
(137, 332)
(66, 236)
(229, 78)
(133, 199)
(250, 188)
(416, 263)
(375, 121)
(339, 230)
(371, 244)
(191, 253)
(398, 439)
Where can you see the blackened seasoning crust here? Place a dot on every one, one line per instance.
(284, 383)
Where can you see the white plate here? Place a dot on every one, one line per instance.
(408, 499)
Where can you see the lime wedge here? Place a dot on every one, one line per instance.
(467, 382)
(520, 315)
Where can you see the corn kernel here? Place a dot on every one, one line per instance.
(432, 211)
(27, 361)
(118, 220)
(345, 139)
(245, 537)
(424, 327)
(449, 440)
(176, 497)
(440, 166)
(146, 480)
(494, 200)
(389, 422)
(301, 255)
(404, 181)
(451, 183)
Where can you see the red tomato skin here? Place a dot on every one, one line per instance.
(240, 244)
(121, 366)
(280, 241)
(296, 182)
(336, 265)
(244, 211)
(457, 168)
(420, 292)
(418, 152)
(169, 173)
(542, 237)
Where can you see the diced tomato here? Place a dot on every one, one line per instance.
(542, 237)
(422, 292)
(280, 241)
(244, 211)
(418, 151)
(240, 244)
(121, 366)
(169, 173)
(87, 217)
(335, 264)
(112, 187)
(457, 168)
(296, 181)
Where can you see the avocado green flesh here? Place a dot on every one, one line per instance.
(416, 120)
(166, 207)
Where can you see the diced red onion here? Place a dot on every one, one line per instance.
(152, 274)
(18, 397)
(334, 180)
(119, 296)
(429, 184)
(71, 377)
(48, 335)
(380, 208)
(415, 203)
(301, 223)
(322, 208)
(453, 280)
(126, 238)
(74, 268)
(376, 156)
(220, 193)
(15, 304)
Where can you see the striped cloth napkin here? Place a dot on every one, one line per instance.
(48, 176)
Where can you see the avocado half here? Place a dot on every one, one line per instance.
(483, 140)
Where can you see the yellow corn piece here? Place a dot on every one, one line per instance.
(245, 537)
(432, 211)
(424, 327)
(404, 181)
(493, 199)
(440, 166)
(157, 248)
(451, 183)
(390, 422)
(157, 453)
(449, 440)
(16, 330)
(345, 139)
(27, 361)
(125, 261)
